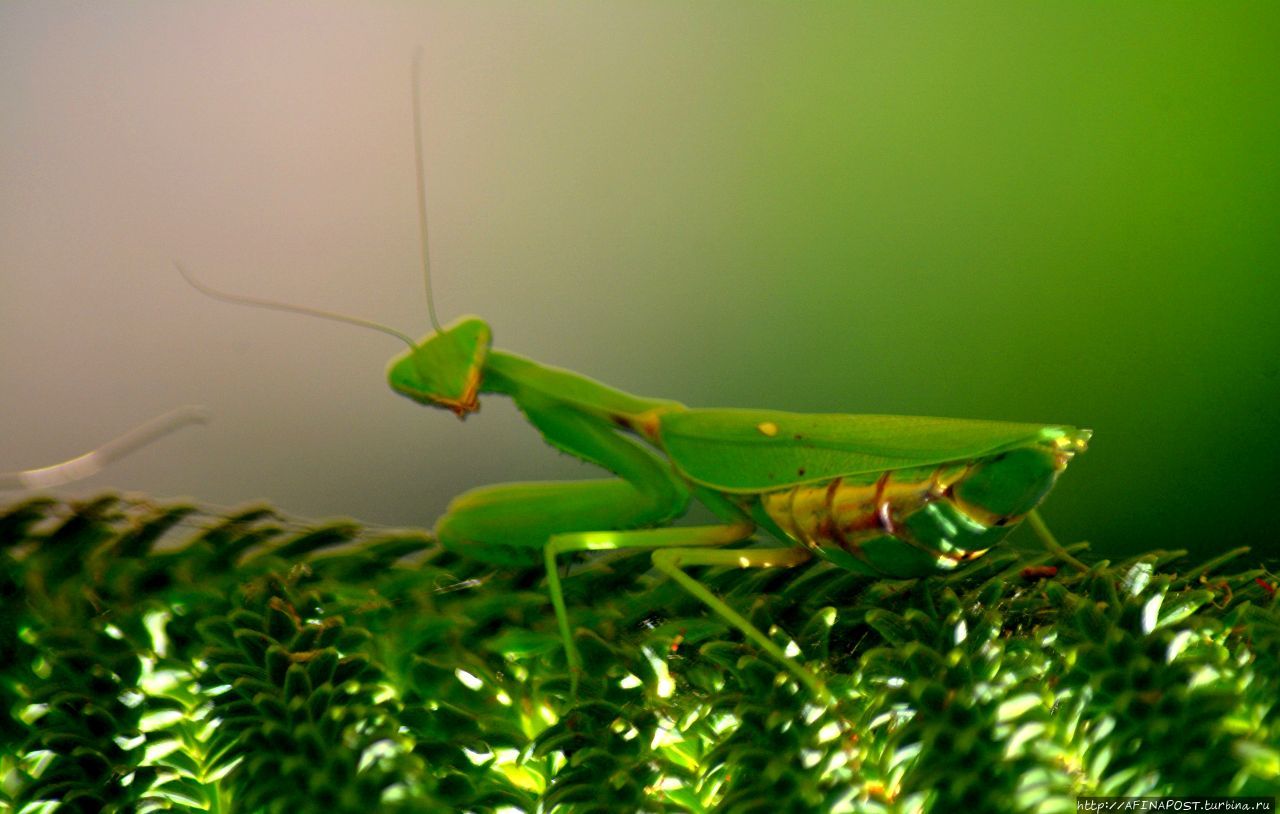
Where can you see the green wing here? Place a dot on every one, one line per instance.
(755, 450)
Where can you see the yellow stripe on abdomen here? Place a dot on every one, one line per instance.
(845, 512)
(909, 522)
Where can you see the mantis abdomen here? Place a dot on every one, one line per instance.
(911, 522)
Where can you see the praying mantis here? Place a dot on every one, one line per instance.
(881, 495)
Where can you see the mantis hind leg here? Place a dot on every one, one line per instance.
(677, 547)
(1050, 542)
(670, 562)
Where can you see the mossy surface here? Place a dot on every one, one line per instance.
(165, 657)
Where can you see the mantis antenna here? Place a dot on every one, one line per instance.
(421, 176)
(94, 461)
(240, 299)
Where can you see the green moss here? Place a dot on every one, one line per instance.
(162, 657)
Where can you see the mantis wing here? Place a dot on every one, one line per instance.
(758, 450)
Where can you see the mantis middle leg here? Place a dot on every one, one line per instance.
(675, 548)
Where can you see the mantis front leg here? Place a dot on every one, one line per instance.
(511, 523)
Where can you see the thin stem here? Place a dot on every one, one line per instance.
(94, 461)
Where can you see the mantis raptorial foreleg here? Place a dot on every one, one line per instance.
(512, 522)
(509, 524)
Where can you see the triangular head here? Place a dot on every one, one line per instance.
(445, 368)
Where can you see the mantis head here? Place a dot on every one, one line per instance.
(444, 369)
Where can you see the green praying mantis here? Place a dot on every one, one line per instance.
(891, 496)
(881, 495)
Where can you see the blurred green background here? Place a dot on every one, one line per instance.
(1057, 212)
